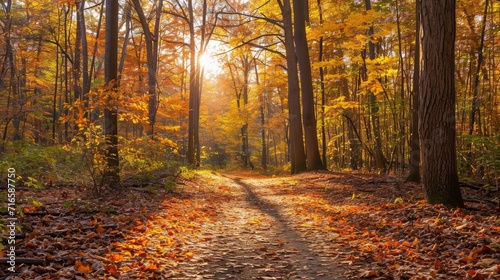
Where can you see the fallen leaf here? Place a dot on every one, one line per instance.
(100, 230)
(369, 274)
(112, 269)
(81, 267)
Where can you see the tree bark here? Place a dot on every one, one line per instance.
(111, 176)
(414, 162)
(475, 85)
(193, 91)
(152, 58)
(380, 160)
(297, 153)
(437, 126)
(323, 91)
(302, 51)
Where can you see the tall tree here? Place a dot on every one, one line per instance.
(8, 66)
(194, 93)
(414, 161)
(152, 39)
(197, 46)
(244, 62)
(300, 12)
(297, 153)
(322, 88)
(380, 160)
(437, 126)
(111, 176)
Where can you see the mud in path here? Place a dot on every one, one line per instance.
(254, 238)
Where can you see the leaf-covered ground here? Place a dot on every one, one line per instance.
(244, 226)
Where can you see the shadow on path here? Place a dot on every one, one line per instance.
(309, 264)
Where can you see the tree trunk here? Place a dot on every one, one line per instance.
(77, 59)
(152, 58)
(302, 52)
(437, 127)
(297, 153)
(414, 162)
(194, 151)
(475, 90)
(323, 91)
(380, 160)
(475, 85)
(84, 51)
(111, 176)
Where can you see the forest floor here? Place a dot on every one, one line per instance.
(242, 225)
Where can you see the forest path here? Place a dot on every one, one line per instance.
(315, 225)
(255, 237)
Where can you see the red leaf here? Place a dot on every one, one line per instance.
(112, 269)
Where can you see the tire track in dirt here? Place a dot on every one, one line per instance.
(251, 239)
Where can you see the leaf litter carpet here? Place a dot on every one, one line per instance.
(244, 226)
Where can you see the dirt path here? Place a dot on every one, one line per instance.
(321, 225)
(253, 239)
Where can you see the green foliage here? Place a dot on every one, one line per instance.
(170, 186)
(33, 183)
(479, 157)
(34, 202)
(90, 140)
(90, 144)
(147, 160)
(39, 164)
(187, 172)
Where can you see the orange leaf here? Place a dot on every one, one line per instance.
(189, 254)
(30, 244)
(81, 267)
(350, 258)
(100, 230)
(115, 257)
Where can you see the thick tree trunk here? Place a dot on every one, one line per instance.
(302, 51)
(437, 127)
(297, 153)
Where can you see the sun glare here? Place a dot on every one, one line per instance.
(210, 63)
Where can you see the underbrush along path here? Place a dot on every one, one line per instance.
(253, 240)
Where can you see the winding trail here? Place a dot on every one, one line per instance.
(253, 237)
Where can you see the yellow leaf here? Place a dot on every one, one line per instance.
(415, 243)
(254, 221)
(487, 262)
(398, 200)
